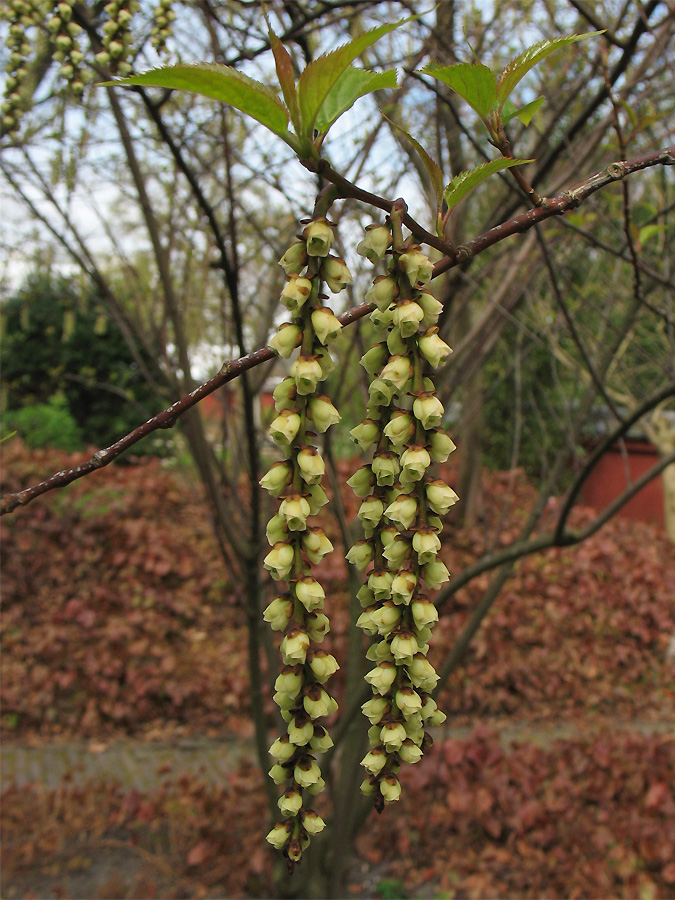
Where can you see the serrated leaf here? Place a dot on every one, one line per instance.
(221, 83)
(524, 113)
(522, 63)
(352, 84)
(474, 83)
(465, 182)
(318, 79)
(284, 67)
(432, 167)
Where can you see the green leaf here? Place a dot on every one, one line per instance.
(352, 84)
(522, 64)
(525, 113)
(648, 231)
(317, 80)
(284, 67)
(219, 83)
(432, 167)
(474, 83)
(465, 182)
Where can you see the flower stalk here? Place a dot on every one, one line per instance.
(400, 509)
(296, 545)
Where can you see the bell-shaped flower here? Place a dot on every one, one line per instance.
(279, 560)
(404, 647)
(311, 465)
(294, 646)
(321, 740)
(379, 582)
(317, 625)
(397, 372)
(280, 834)
(362, 481)
(312, 821)
(294, 259)
(385, 617)
(326, 324)
(375, 708)
(323, 413)
(278, 613)
(285, 427)
(416, 265)
(424, 612)
(383, 292)
(407, 317)
(365, 596)
(375, 760)
(426, 544)
(277, 479)
(361, 555)
(440, 445)
(380, 392)
(300, 729)
(335, 273)
(315, 544)
(382, 677)
(409, 752)
(396, 553)
(287, 338)
(289, 680)
(285, 700)
(431, 306)
(414, 463)
(290, 802)
(307, 372)
(322, 664)
(370, 511)
(306, 771)
(374, 244)
(318, 236)
(440, 496)
(382, 319)
(374, 359)
(282, 749)
(433, 348)
(294, 509)
(388, 535)
(437, 717)
(435, 574)
(400, 428)
(422, 673)
(396, 343)
(403, 587)
(408, 701)
(390, 788)
(318, 702)
(392, 736)
(366, 434)
(369, 786)
(296, 293)
(285, 394)
(316, 497)
(380, 652)
(428, 409)
(402, 511)
(310, 593)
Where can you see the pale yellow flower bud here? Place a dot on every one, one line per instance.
(335, 273)
(374, 244)
(318, 236)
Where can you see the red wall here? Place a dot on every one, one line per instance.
(608, 479)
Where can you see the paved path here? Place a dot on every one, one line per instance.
(144, 765)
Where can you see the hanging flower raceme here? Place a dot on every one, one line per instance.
(297, 610)
(400, 510)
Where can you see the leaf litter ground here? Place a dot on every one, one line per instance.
(121, 622)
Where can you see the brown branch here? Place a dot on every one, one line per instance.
(556, 206)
